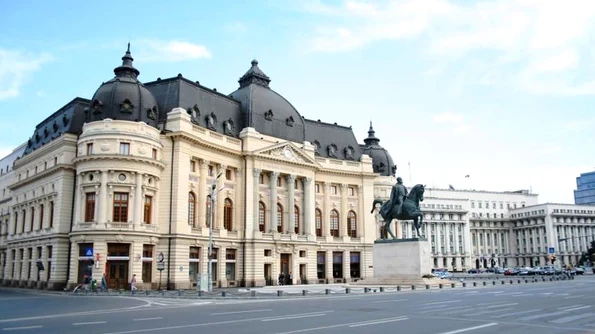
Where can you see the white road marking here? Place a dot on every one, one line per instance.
(494, 303)
(573, 297)
(20, 328)
(572, 318)
(146, 319)
(335, 326)
(501, 305)
(428, 310)
(294, 317)
(461, 310)
(439, 303)
(378, 322)
(468, 329)
(240, 312)
(539, 316)
(389, 301)
(89, 323)
(488, 312)
(571, 306)
(516, 313)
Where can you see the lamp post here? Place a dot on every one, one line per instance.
(211, 221)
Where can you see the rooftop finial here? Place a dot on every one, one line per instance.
(127, 68)
(371, 140)
(254, 76)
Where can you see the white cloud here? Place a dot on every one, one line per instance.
(150, 50)
(448, 117)
(4, 151)
(16, 67)
(235, 27)
(546, 39)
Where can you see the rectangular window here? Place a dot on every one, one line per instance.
(230, 264)
(51, 214)
(89, 149)
(125, 148)
(120, 208)
(41, 213)
(192, 166)
(194, 263)
(147, 270)
(89, 207)
(354, 264)
(32, 219)
(154, 154)
(148, 209)
(228, 174)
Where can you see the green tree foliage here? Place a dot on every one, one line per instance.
(589, 255)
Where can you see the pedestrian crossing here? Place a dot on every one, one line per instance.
(578, 315)
(164, 302)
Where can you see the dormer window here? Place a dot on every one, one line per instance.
(332, 150)
(126, 106)
(289, 121)
(317, 145)
(152, 113)
(228, 127)
(268, 115)
(96, 106)
(211, 121)
(349, 150)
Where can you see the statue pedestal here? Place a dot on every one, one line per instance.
(401, 262)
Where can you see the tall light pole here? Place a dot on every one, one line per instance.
(211, 221)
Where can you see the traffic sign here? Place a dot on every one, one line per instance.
(160, 266)
(551, 250)
(89, 252)
(160, 257)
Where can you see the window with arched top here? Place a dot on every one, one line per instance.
(334, 223)
(352, 224)
(228, 215)
(296, 218)
(208, 211)
(261, 216)
(191, 209)
(279, 218)
(318, 222)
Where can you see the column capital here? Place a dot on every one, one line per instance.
(222, 167)
(290, 178)
(306, 181)
(274, 174)
(344, 186)
(203, 163)
(256, 172)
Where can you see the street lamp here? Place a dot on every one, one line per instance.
(210, 221)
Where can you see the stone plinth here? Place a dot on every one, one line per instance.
(401, 261)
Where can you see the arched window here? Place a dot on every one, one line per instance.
(261, 216)
(228, 215)
(296, 218)
(334, 223)
(191, 209)
(352, 224)
(318, 222)
(279, 218)
(208, 211)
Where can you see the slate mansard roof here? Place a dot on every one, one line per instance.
(253, 104)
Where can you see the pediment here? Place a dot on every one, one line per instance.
(286, 152)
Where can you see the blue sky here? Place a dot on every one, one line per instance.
(500, 90)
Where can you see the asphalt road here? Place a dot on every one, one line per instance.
(551, 307)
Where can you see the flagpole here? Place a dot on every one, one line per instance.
(409, 163)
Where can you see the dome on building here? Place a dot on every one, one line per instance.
(381, 159)
(266, 110)
(124, 97)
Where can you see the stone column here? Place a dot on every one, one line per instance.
(308, 204)
(326, 215)
(438, 240)
(256, 198)
(290, 203)
(273, 201)
(138, 199)
(236, 224)
(79, 200)
(447, 240)
(347, 265)
(102, 203)
(202, 194)
(343, 214)
(220, 197)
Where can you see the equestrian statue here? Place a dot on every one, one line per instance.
(402, 206)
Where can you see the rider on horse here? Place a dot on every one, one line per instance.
(397, 197)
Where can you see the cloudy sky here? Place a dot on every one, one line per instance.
(499, 90)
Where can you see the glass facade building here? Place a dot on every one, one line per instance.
(585, 189)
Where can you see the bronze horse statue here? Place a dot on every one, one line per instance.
(409, 210)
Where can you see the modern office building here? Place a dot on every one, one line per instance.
(585, 189)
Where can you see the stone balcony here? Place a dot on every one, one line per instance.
(37, 234)
(110, 226)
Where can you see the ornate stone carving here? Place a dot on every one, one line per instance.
(104, 147)
(256, 172)
(142, 150)
(286, 153)
(154, 240)
(119, 238)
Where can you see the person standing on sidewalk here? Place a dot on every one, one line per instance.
(103, 283)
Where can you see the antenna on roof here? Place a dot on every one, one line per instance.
(409, 164)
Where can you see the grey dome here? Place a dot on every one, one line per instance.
(265, 110)
(381, 159)
(124, 97)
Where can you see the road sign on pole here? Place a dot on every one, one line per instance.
(551, 250)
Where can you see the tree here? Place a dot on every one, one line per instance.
(589, 255)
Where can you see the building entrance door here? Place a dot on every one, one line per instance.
(286, 267)
(117, 275)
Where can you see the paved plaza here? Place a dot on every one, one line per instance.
(550, 307)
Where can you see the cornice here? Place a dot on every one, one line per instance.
(119, 157)
(46, 149)
(204, 143)
(41, 175)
